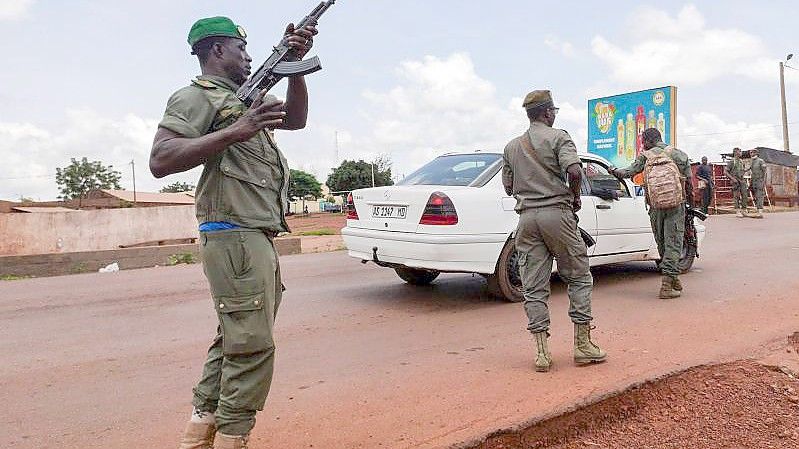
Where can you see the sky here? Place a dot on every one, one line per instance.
(407, 79)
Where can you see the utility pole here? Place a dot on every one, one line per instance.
(133, 168)
(373, 173)
(785, 143)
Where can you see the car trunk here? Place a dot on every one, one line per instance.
(392, 208)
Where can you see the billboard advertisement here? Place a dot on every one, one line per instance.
(615, 123)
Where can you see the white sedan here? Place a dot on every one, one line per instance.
(452, 215)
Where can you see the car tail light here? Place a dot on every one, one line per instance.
(439, 211)
(352, 214)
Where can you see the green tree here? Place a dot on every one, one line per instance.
(351, 175)
(177, 187)
(79, 177)
(302, 184)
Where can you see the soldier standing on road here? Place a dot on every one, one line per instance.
(534, 172)
(668, 225)
(240, 202)
(758, 170)
(735, 172)
(704, 176)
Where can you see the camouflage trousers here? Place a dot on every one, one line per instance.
(668, 226)
(543, 234)
(739, 195)
(759, 191)
(243, 271)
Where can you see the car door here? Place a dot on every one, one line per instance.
(622, 223)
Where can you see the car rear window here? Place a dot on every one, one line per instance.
(451, 170)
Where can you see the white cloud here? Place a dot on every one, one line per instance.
(683, 50)
(439, 104)
(707, 134)
(15, 9)
(31, 153)
(563, 47)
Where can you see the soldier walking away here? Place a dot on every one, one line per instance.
(667, 175)
(735, 172)
(534, 172)
(704, 177)
(758, 171)
(240, 205)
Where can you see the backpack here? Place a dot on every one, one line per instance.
(662, 179)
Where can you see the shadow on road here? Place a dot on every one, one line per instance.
(457, 291)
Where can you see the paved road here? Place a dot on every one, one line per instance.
(364, 361)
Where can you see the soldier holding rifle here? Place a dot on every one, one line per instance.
(240, 205)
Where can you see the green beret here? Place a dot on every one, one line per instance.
(537, 98)
(215, 26)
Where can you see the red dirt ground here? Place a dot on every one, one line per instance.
(315, 222)
(741, 404)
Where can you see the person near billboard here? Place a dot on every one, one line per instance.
(704, 178)
(536, 165)
(668, 223)
(734, 171)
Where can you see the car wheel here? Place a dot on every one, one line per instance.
(416, 276)
(506, 282)
(687, 258)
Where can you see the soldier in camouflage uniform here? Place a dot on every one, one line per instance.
(758, 170)
(534, 172)
(240, 202)
(668, 225)
(735, 172)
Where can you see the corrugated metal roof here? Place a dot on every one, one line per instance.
(42, 209)
(151, 197)
(772, 156)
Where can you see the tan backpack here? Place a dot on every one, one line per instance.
(662, 179)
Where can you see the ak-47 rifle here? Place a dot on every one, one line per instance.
(283, 62)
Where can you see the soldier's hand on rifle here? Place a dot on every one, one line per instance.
(301, 40)
(265, 112)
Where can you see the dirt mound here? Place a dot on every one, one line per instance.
(733, 405)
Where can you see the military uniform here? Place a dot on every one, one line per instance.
(547, 226)
(705, 173)
(758, 170)
(735, 167)
(245, 185)
(668, 225)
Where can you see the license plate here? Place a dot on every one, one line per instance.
(379, 211)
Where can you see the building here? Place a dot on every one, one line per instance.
(781, 178)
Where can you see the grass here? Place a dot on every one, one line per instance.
(323, 231)
(175, 259)
(12, 277)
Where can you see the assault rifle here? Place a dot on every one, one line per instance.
(283, 62)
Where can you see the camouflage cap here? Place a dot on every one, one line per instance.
(537, 98)
(215, 26)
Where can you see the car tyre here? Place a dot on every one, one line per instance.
(687, 258)
(416, 276)
(506, 282)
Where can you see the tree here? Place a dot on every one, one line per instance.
(177, 187)
(351, 175)
(302, 184)
(79, 177)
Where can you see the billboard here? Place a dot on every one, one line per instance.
(615, 123)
